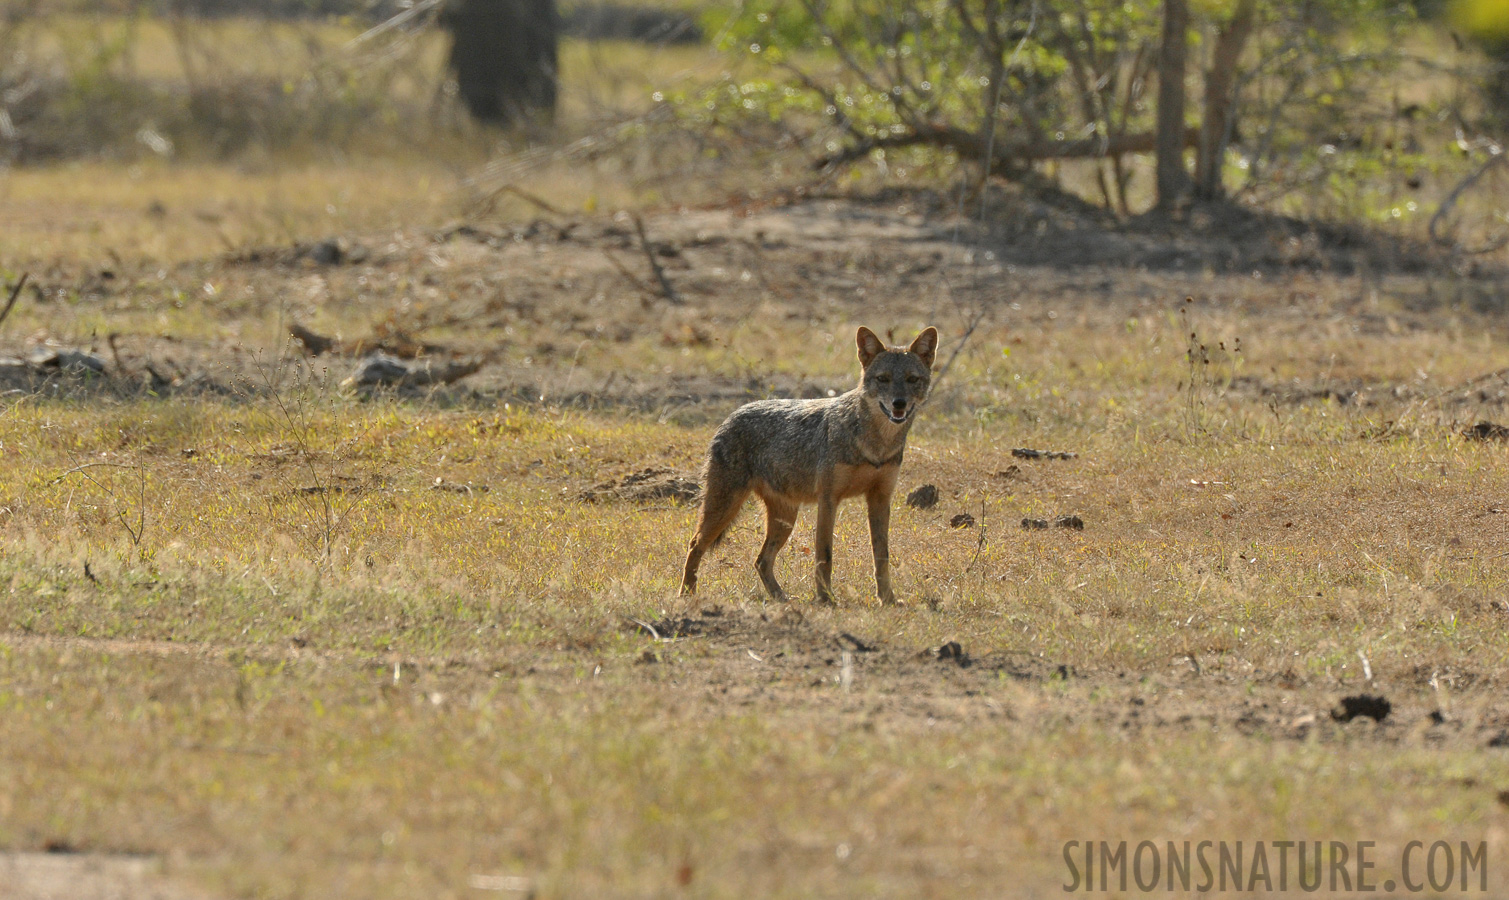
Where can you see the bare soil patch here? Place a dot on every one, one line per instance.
(68, 875)
(560, 311)
(645, 485)
(780, 658)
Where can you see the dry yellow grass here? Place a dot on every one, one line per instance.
(455, 693)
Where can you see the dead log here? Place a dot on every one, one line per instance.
(1006, 156)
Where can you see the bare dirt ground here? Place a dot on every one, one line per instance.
(85, 876)
(553, 309)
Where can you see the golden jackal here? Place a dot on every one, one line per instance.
(794, 452)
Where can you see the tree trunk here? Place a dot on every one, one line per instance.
(504, 56)
(1172, 177)
(1220, 80)
(1497, 88)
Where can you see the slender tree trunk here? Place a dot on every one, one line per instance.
(1172, 177)
(1498, 80)
(1215, 127)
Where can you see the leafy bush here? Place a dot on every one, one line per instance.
(1339, 109)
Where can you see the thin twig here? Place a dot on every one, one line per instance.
(80, 470)
(624, 271)
(647, 627)
(136, 534)
(529, 198)
(412, 12)
(979, 317)
(979, 542)
(649, 254)
(14, 293)
(1439, 220)
(113, 341)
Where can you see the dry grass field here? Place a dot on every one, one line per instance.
(270, 634)
(285, 639)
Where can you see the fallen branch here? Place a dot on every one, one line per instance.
(14, 293)
(1448, 239)
(1005, 157)
(380, 369)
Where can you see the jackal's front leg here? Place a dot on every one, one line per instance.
(880, 542)
(822, 543)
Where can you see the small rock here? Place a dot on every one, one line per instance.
(67, 361)
(326, 253)
(962, 520)
(925, 497)
(1486, 431)
(950, 650)
(1368, 705)
(1074, 522)
(1034, 524)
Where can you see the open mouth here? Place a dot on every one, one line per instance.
(895, 417)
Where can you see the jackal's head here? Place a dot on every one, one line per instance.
(896, 378)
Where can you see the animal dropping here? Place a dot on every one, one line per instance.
(925, 497)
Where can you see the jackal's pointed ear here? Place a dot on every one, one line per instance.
(925, 346)
(870, 346)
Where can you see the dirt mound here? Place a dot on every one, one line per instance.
(646, 485)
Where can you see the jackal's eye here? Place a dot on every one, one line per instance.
(912, 379)
(883, 379)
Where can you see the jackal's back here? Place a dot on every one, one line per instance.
(778, 444)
